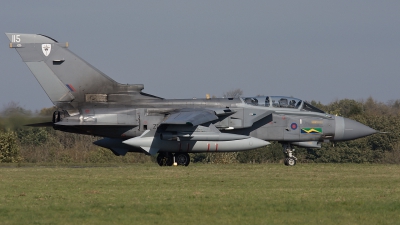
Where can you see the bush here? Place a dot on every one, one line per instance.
(9, 150)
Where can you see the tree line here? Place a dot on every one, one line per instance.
(19, 143)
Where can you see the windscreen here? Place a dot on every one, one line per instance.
(309, 107)
(273, 101)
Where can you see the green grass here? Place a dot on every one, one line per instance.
(201, 194)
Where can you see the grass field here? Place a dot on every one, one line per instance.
(201, 194)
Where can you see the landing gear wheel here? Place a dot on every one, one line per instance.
(164, 159)
(182, 159)
(160, 158)
(288, 150)
(291, 161)
(286, 162)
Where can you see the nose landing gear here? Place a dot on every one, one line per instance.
(290, 160)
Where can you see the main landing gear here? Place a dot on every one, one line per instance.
(167, 159)
(290, 160)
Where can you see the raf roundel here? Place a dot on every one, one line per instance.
(293, 126)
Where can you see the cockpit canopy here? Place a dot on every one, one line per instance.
(280, 102)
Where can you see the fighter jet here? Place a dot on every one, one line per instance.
(129, 120)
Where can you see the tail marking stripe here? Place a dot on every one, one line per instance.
(71, 88)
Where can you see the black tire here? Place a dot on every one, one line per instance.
(286, 162)
(169, 159)
(182, 159)
(165, 159)
(160, 159)
(291, 161)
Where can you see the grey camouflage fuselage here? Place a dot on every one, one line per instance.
(90, 102)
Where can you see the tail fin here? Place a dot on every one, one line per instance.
(68, 80)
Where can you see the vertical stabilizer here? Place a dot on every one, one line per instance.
(66, 78)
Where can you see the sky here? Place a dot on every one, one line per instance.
(312, 50)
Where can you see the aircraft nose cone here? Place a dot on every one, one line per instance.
(347, 129)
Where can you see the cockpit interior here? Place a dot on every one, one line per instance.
(281, 102)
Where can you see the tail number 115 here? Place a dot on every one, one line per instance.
(15, 38)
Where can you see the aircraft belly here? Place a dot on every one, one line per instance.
(225, 146)
(116, 146)
(152, 143)
(110, 131)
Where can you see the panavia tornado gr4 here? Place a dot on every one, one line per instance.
(129, 120)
